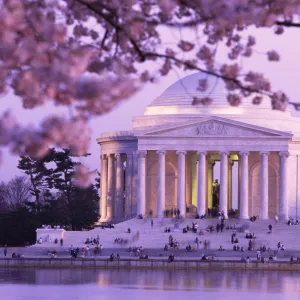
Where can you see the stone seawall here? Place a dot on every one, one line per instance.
(150, 264)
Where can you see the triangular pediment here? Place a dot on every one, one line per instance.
(216, 127)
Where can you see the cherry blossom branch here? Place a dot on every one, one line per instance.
(296, 105)
(143, 55)
(189, 65)
(116, 26)
(287, 24)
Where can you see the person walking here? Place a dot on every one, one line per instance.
(270, 228)
(5, 250)
(61, 241)
(151, 223)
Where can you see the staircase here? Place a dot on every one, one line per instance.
(156, 238)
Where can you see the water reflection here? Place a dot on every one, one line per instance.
(276, 282)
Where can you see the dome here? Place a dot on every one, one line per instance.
(182, 91)
(178, 99)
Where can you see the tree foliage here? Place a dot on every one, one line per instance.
(18, 226)
(92, 54)
(84, 207)
(59, 201)
(37, 173)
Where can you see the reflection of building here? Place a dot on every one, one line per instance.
(167, 159)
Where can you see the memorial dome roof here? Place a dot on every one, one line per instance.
(178, 99)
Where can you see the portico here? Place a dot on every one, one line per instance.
(212, 138)
(169, 158)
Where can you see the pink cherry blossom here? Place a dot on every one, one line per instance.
(186, 46)
(202, 101)
(234, 100)
(273, 56)
(279, 101)
(82, 176)
(203, 85)
(257, 100)
(50, 48)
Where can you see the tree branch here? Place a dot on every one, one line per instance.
(116, 26)
(143, 55)
(296, 105)
(287, 24)
(188, 65)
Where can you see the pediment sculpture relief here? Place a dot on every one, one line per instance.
(212, 128)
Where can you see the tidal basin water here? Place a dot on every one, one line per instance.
(88, 284)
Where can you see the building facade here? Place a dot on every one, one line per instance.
(167, 160)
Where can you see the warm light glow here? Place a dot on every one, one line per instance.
(194, 178)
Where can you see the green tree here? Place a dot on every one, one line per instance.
(81, 203)
(38, 174)
(55, 210)
(61, 178)
(58, 200)
(18, 226)
(84, 208)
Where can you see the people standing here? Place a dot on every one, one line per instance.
(151, 223)
(5, 250)
(61, 241)
(222, 226)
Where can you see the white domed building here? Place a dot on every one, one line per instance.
(168, 158)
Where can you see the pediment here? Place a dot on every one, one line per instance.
(217, 127)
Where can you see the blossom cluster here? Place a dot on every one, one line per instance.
(50, 48)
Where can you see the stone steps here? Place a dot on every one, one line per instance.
(156, 238)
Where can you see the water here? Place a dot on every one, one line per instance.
(88, 284)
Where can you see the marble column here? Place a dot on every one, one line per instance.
(181, 183)
(244, 209)
(224, 182)
(230, 165)
(210, 176)
(161, 184)
(141, 201)
(128, 185)
(110, 187)
(103, 203)
(239, 183)
(119, 201)
(201, 180)
(264, 186)
(135, 182)
(283, 205)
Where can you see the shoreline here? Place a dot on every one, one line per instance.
(149, 264)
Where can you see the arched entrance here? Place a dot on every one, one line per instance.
(152, 183)
(171, 186)
(254, 203)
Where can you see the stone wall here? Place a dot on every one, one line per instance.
(150, 264)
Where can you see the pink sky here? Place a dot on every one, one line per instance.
(284, 75)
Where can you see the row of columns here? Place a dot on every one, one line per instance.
(113, 185)
(201, 184)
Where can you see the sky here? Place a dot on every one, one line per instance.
(284, 75)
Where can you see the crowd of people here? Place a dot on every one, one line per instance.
(222, 226)
(292, 222)
(93, 241)
(172, 213)
(53, 227)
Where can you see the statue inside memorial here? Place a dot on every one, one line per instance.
(216, 193)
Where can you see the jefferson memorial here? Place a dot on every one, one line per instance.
(169, 157)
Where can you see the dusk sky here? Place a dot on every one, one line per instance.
(284, 75)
